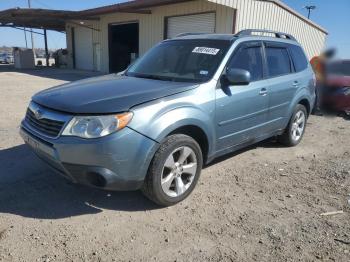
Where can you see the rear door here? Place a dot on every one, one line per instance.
(282, 83)
(241, 110)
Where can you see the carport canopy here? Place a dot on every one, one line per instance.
(48, 19)
(56, 19)
(39, 18)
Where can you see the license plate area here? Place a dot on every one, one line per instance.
(37, 145)
(31, 142)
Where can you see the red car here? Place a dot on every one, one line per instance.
(336, 94)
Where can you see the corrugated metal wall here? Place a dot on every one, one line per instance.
(250, 14)
(96, 36)
(152, 26)
(259, 14)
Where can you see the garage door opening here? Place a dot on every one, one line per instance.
(123, 46)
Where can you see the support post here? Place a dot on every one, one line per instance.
(46, 49)
(25, 36)
(31, 33)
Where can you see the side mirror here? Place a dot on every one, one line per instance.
(238, 76)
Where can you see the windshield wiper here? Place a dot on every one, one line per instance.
(154, 77)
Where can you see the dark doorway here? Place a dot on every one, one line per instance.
(73, 46)
(123, 46)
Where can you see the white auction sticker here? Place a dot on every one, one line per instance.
(206, 50)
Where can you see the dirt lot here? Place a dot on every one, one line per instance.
(260, 204)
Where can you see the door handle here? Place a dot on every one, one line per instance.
(296, 84)
(263, 92)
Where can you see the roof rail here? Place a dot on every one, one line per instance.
(249, 32)
(186, 34)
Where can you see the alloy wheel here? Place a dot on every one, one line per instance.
(298, 125)
(179, 171)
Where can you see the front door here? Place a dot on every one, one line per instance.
(241, 110)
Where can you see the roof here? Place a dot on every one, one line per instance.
(56, 19)
(38, 18)
(233, 37)
(136, 6)
(225, 37)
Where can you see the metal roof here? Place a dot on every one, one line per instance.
(136, 6)
(56, 19)
(38, 18)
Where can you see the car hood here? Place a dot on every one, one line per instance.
(107, 94)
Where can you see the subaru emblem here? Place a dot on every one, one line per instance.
(38, 114)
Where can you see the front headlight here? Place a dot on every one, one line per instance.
(96, 126)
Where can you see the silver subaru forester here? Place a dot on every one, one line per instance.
(185, 102)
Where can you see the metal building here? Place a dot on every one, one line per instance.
(108, 38)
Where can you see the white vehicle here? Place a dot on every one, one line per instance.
(10, 59)
(2, 58)
(6, 59)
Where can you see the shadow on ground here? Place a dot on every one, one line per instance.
(29, 188)
(330, 113)
(269, 143)
(52, 72)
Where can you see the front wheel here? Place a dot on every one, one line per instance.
(174, 170)
(295, 130)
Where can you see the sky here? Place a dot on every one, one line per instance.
(333, 15)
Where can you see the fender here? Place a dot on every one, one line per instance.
(196, 107)
(301, 94)
(165, 122)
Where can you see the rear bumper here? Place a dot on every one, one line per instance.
(337, 100)
(116, 162)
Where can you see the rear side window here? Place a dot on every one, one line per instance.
(299, 58)
(278, 61)
(250, 59)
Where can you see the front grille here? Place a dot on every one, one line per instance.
(44, 126)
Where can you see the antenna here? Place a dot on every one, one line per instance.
(309, 8)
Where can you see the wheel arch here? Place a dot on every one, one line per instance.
(198, 134)
(305, 102)
(188, 120)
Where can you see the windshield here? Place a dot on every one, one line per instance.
(181, 60)
(339, 68)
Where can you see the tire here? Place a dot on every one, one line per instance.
(166, 167)
(288, 138)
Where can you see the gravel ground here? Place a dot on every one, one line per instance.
(260, 204)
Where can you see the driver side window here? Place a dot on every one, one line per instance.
(250, 59)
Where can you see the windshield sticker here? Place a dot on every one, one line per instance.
(203, 72)
(206, 50)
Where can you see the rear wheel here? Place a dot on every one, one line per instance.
(294, 133)
(174, 171)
